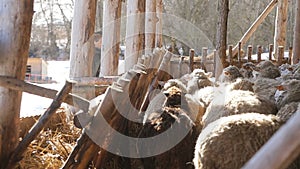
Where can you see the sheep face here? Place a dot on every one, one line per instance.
(230, 74)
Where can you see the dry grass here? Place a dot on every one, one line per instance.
(53, 145)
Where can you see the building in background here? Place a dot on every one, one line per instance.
(37, 71)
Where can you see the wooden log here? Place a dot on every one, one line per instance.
(285, 141)
(296, 40)
(271, 47)
(221, 41)
(280, 25)
(290, 55)
(204, 58)
(191, 61)
(255, 25)
(111, 37)
(280, 55)
(259, 52)
(249, 53)
(37, 128)
(180, 65)
(230, 56)
(215, 64)
(15, 30)
(239, 54)
(20, 85)
(159, 25)
(150, 25)
(82, 42)
(135, 35)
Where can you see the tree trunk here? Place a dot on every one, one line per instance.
(82, 44)
(280, 25)
(296, 42)
(223, 10)
(159, 25)
(134, 32)
(150, 26)
(111, 37)
(15, 28)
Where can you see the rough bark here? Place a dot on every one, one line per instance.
(111, 37)
(82, 44)
(296, 42)
(280, 25)
(159, 25)
(134, 32)
(223, 10)
(15, 28)
(150, 26)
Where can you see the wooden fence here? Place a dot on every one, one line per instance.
(181, 65)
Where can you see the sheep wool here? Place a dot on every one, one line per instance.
(229, 142)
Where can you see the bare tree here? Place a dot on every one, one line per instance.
(15, 28)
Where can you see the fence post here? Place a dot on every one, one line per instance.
(271, 48)
(215, 64)
(290, 54)
(192, 55)
(240, 54)
(249, 53)
(180, 65)
(230, 57)
(259, 51)
(204, 58)
(280, 55)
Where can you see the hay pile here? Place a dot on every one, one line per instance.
(53, 145)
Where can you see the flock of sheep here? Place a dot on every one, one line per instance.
(229, 119)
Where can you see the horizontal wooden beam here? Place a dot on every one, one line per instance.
(20, 85)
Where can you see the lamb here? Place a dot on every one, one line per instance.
(229, 142)
(230, 74)
(228, 103)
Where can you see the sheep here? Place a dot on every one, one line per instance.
(264, 87)
(229, 142)
(247, 70)
(288, 110)
(230, 74)
(268, 70)
(181, 154)
(228, 103)
(175, 95)
(199, 80)
(242, 84)
(179, 112)
(291, 94)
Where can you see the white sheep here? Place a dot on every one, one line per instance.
(229, 142)
(230, 102)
